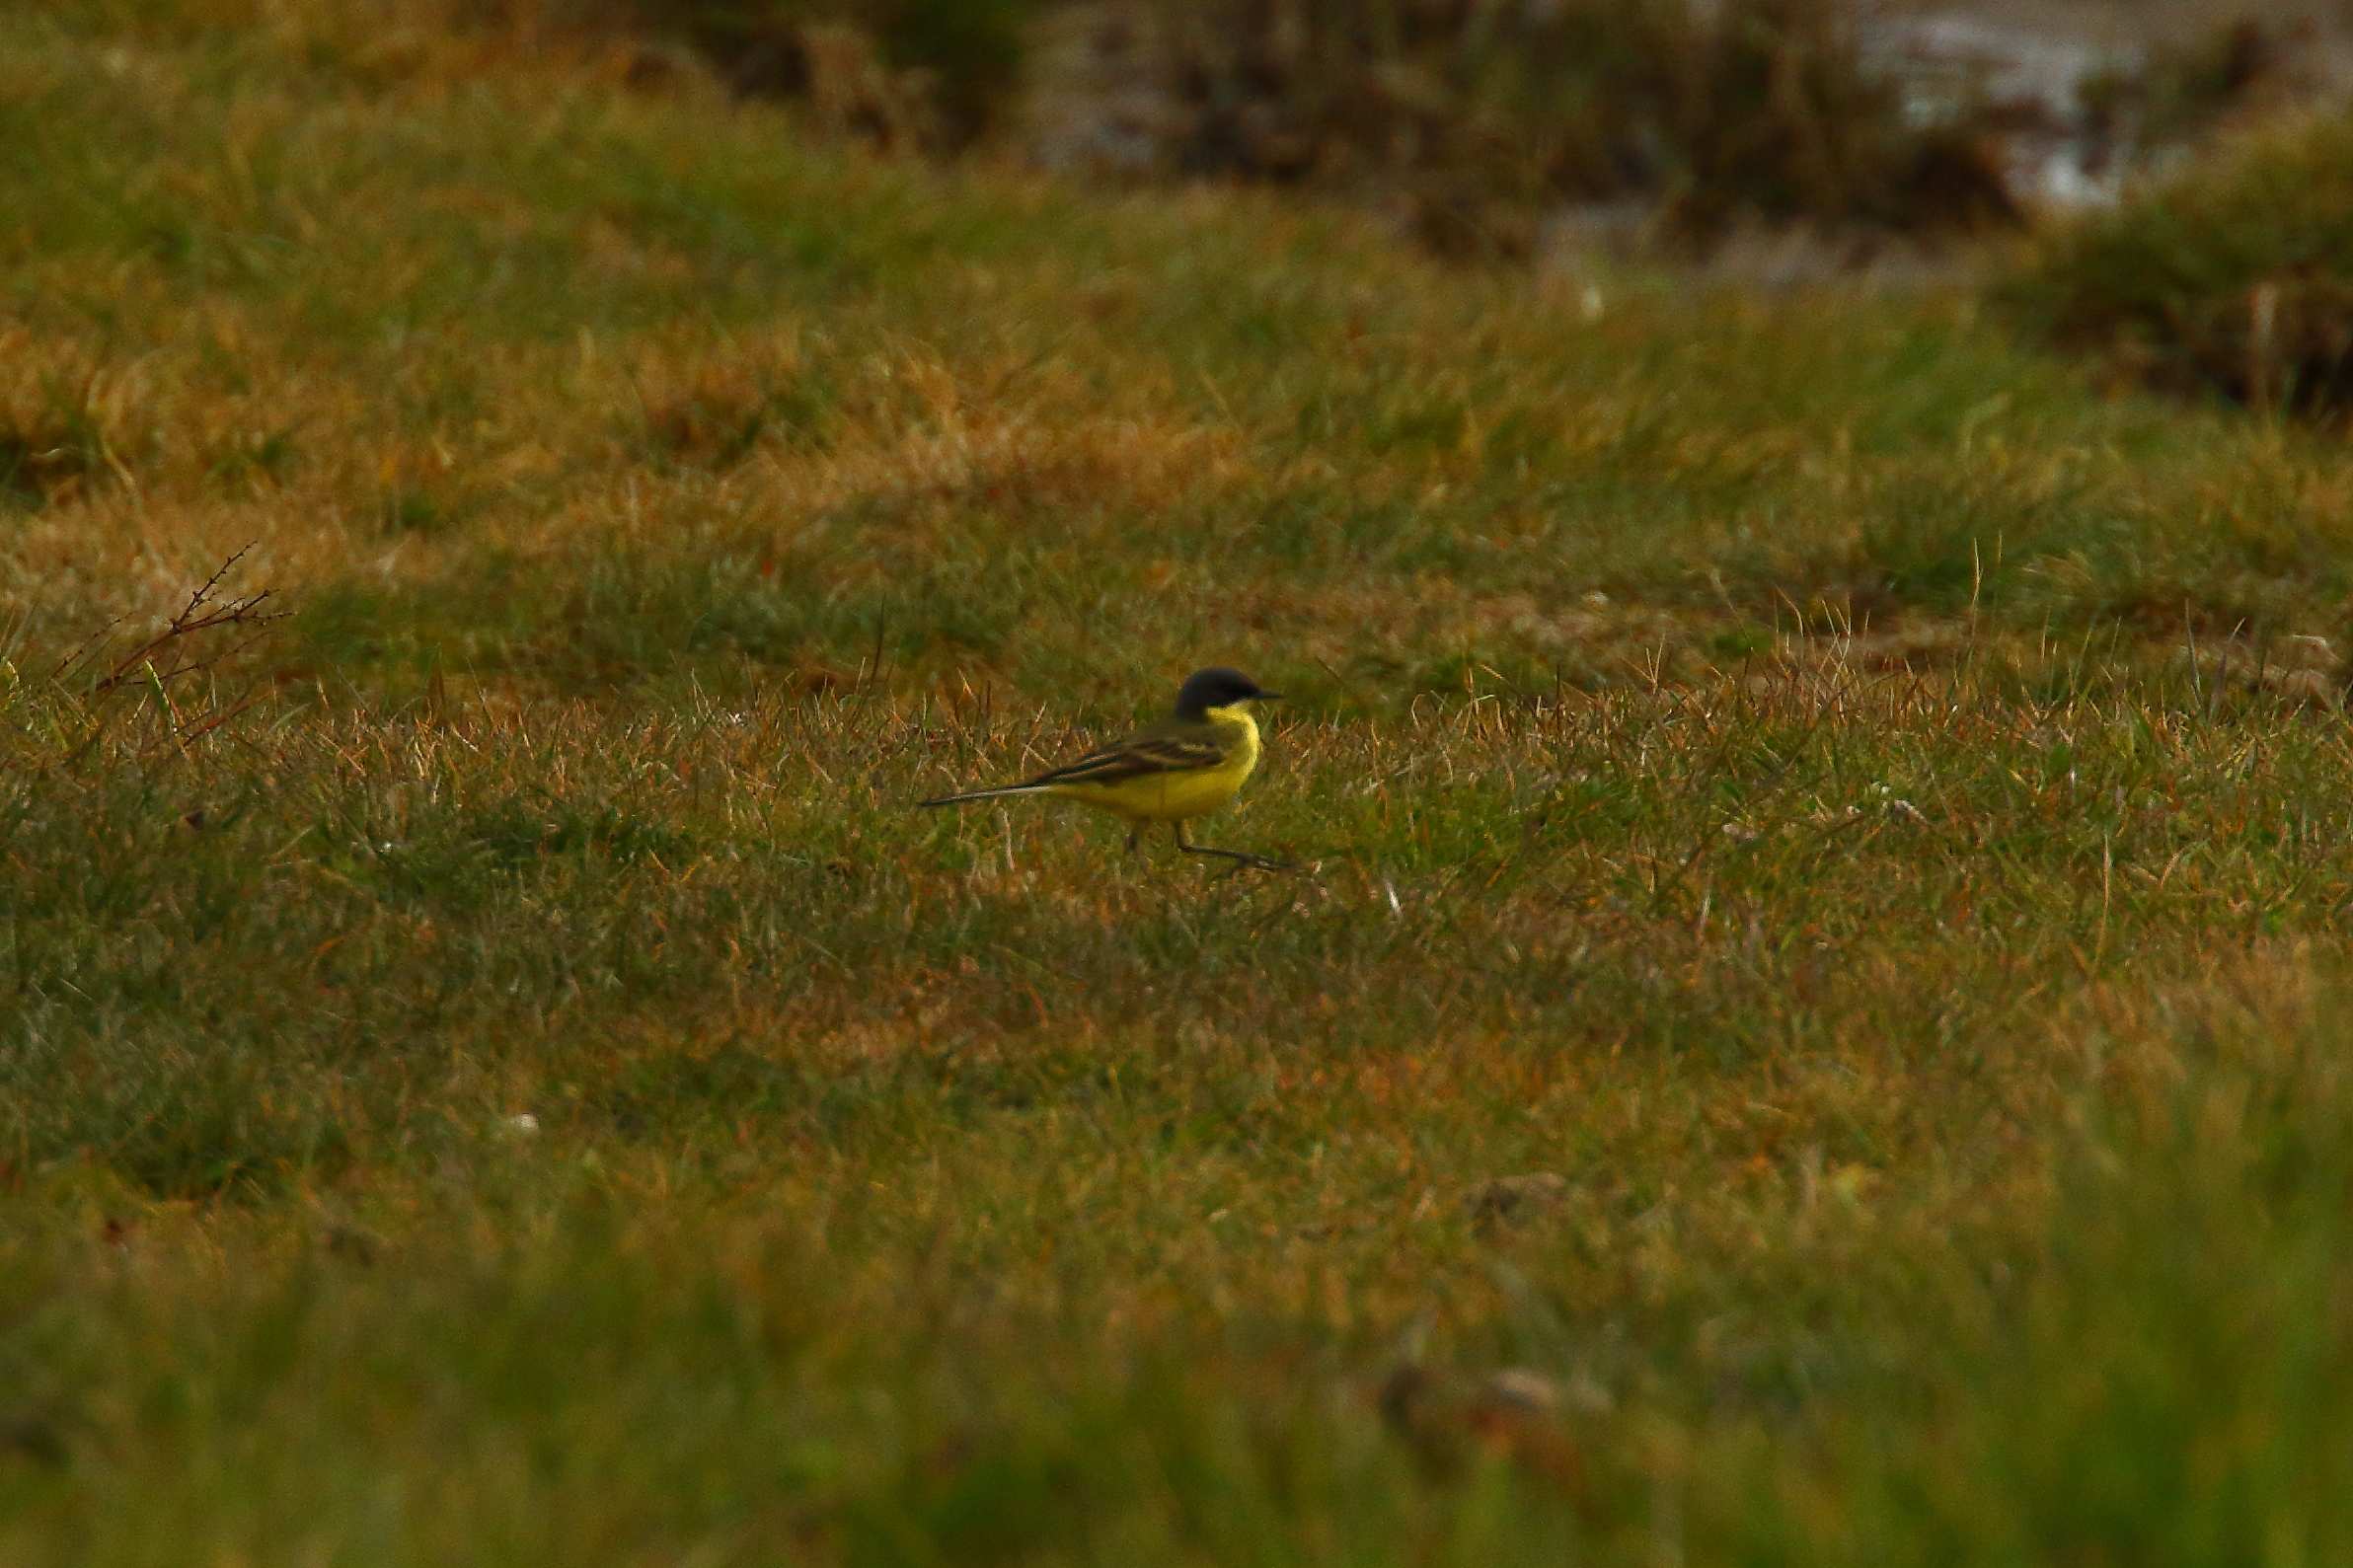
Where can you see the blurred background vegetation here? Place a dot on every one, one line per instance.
(1783, 107)
(2235, 274)
(1491, 129)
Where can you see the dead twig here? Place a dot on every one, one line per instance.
(205, 610)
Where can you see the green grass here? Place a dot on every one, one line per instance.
(1862, 807)
(2227, 277)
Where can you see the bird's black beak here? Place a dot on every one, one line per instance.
(1265, 697)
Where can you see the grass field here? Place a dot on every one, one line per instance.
(1813, 1030)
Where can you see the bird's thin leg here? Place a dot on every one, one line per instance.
(1255, 863)
(1135, 836)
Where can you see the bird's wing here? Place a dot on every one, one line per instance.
(1142, 755)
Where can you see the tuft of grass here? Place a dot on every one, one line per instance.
(52, 444)
(936, 73)
(725, 410)
(2229, 277)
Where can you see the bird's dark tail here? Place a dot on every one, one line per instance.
(988, 795)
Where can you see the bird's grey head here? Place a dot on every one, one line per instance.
(1217, 687)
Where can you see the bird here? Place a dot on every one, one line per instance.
(1172, 770)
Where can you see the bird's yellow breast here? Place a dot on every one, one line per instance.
(1177, 796)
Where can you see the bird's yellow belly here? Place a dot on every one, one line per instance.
(1162, 797)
